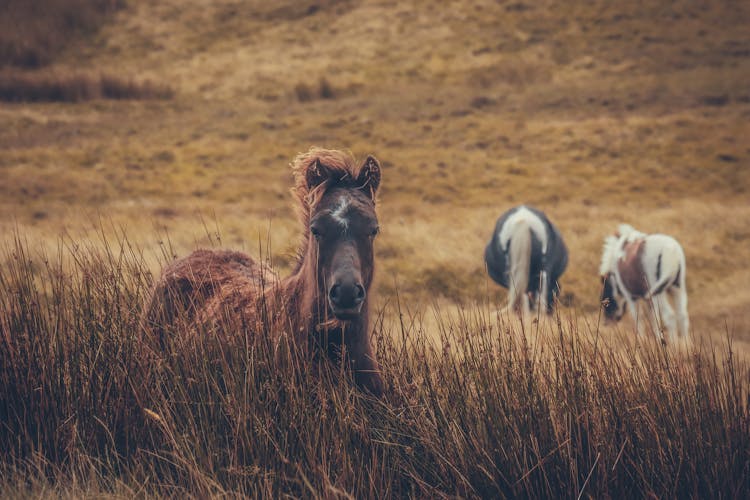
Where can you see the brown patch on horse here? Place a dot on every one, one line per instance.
(630, 268)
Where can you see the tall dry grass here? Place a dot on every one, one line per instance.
(89, 404)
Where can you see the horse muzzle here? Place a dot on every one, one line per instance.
(346, 299)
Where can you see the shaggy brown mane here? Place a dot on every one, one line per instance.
(343, 170)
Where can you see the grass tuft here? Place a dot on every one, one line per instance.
(44, 86)
(324, 89)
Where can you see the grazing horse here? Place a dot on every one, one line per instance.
(644, 266)
(323, 303)
(527, 255)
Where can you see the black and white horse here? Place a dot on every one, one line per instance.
(644, 266)
(527, 256)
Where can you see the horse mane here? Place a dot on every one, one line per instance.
(609, 252)
(625, 234)
(340, 165)
(629, 232)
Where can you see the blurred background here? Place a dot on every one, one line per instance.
(177, 120)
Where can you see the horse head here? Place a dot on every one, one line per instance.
(612, 300)
(342, 226)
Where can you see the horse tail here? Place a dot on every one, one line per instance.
(520, 262)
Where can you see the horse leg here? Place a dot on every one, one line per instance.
(679, 295)
(543, 292)
(654, 311)
(525, 305)
(518, 301)
(633, 307)
(666, 313)
(511, 307)
(512, 298)
(532, 300)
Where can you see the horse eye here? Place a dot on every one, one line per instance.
(375, 231)
(315, 232)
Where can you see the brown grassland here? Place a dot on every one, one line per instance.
(595, 112)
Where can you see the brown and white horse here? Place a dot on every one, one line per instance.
(645, 266)
(323, 302)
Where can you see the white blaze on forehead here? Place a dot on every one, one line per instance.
(339, 212)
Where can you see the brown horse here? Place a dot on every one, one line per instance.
(324, 301)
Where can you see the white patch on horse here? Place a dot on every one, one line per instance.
(530, 220)
(610, 253)
(339, 212)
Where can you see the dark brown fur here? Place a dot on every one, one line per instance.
(630, 267)
(208, 284)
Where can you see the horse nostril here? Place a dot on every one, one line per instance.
(359, 293)
(334, 294)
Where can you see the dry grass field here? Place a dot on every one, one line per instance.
(596, 112)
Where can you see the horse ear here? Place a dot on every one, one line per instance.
(316, 174)
(369, 176)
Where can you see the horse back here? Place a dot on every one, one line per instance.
(189, 288)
